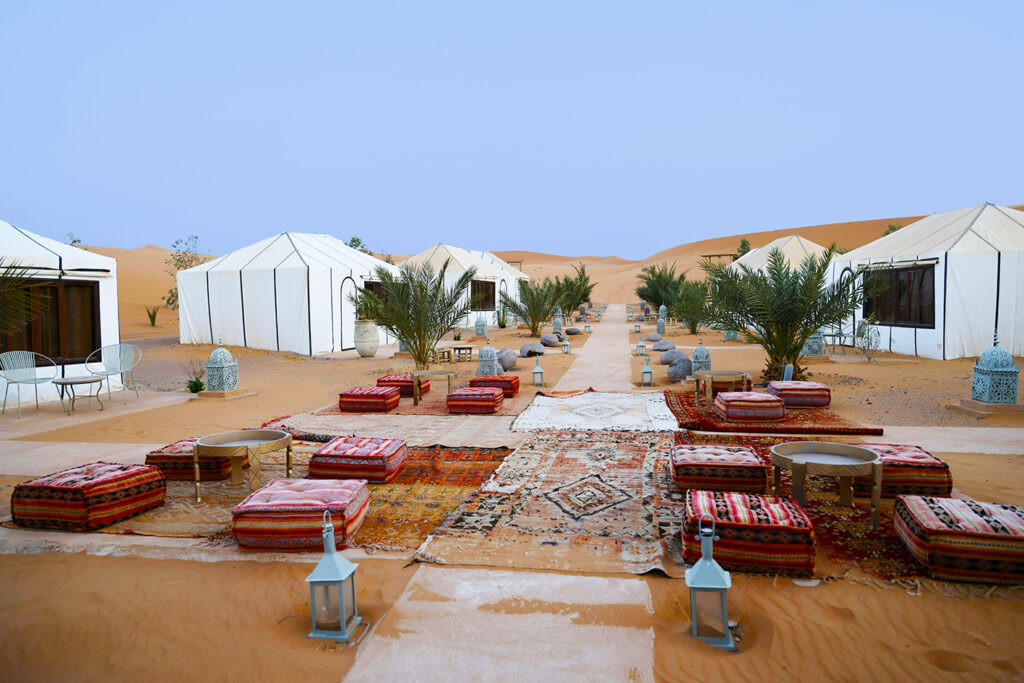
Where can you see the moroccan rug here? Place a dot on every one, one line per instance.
(692, 414)
(622, 412)
(571, 501)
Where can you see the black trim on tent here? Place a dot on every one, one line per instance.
(209, 309)
(331, 271)
(241, 289)
(342, 329)
(60, 259)
(945, 290)
(277, 334)
(999, 267)
(241, 294)
(309, 313)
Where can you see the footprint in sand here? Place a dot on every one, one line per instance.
(840, 614)
(947, 660)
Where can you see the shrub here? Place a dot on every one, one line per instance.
(151, 312)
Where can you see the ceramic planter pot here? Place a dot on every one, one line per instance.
(367, 338)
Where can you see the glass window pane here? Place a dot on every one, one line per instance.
(709, 615)
(328, 615)
(80, 313)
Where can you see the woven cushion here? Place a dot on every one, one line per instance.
(87, 497)
(509, 384)
(749, 406)
(963, 540)
(287, 514)
(475, 400)
(719, 468)
(907, 470)
(769, 534)
(801, 394)
(404, 383)
(352, 457)
(175, 461)
(369, 399)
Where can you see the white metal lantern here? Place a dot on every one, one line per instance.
(332, 592)
(636, 327)
(586, 326)
(629, 317)
(538, 374)
(565, 345)
(647, 374)
(708, 584)
(641, 348)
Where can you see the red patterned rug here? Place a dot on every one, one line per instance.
(694, 415)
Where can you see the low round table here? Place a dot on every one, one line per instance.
(704, 381)
(248, 444)
(831, 460)
(69, 383)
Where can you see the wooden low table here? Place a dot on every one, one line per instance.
(831, 460)
(417, 375)
(248, 444)
(69, 384)
(462, 352)
(703, 382)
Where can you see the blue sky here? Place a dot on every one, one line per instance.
(566, 127)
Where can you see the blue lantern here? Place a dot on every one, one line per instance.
(538, 374)
(586, 325)
(565, 345)
(709, 584)
(641, 348)
(636, 327)
(647, 374)
(332, 592)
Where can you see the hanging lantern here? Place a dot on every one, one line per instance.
(647, 374)
(565, 345)
(332, 592)
(538, 374)
(641, 348)
(708, 584)
(586, 325)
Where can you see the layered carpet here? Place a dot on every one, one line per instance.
(455, 431)
(621, 412)
(692, 414)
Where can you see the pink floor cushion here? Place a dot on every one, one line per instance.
(907, 470)
(353, 457)
(475, 400)
(369, 400)
(801, 394)
(749, 406)
(287, 514)
(404, 383)
(175, 461)
(717, 468)
(963, 540)
(87, 497)
(760, 534)
(509, 384)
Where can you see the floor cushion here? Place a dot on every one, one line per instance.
(175, 461)
(475, 400)
(717, 468)
(404, 383)
(907, 470)
(87, 497)
(801, 394)
(749, 406)
(353, 457)
(288, 514)
(963, 540)
(760, 534)
(369, 399)
(509, 384)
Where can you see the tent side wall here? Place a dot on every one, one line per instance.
(971, 302)
(193, 311)
(1011, 304)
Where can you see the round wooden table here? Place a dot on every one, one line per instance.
(248, 444)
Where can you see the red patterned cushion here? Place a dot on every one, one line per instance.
(719, 468)
(287, 514)
(907, 470)
(749, 406)
(404, 383)
(87, 497)
(801, 394)
(509, 384)
(175, 461)
(963, 540)
(767, 534)
(353, 457)
(475, 400)
(369, 400)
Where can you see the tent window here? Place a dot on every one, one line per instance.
(378, 290)
(481, 293)
(901, 296)
(67, 330)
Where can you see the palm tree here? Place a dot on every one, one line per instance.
(18, 303)
(416, 307)
(781, 307)
(659, 285)
(536, 303)
(693, 306)
(571, 291)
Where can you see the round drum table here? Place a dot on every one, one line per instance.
(247, 445)
(832, 460)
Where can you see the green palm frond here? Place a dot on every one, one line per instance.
(535, 305)
(18, 303)
(659, 285)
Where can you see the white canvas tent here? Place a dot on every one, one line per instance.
(961, 273)
(89, 284)
(289, 292)
(793, 247)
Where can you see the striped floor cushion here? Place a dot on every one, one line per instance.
(801, 394)
(760, 534)
(509, 384)
(907, 471)
(87, 497)
(369, 400)
(404, 383)
(717, 468)
(963, 540)
(175, 461)
(475, 400)
(287, 514)
(749, 406)
(353, 457)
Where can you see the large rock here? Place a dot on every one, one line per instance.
(550, 340)
(531, 349)
(654, 337)
(572, 331)
(507, 359)
(663, 345)
(672, 356)
(679, 370)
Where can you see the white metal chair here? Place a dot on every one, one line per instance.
(21, 367)
(116, 359)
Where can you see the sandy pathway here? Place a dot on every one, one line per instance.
(603, 363)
